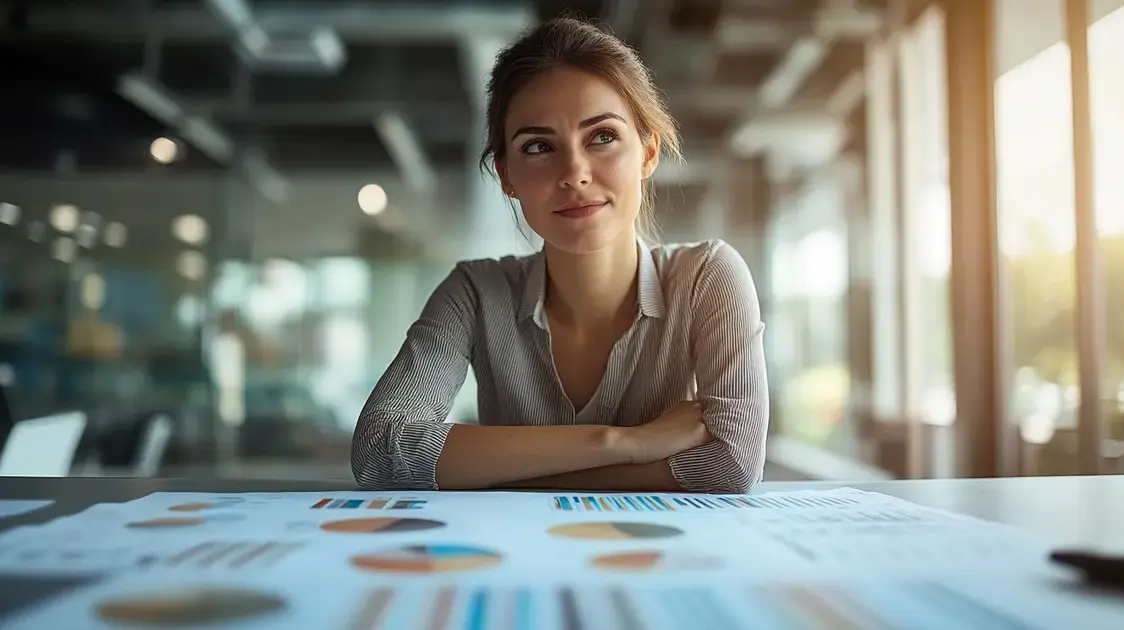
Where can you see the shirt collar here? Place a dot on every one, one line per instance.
(650, 291)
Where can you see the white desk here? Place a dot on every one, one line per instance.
(1081, 511)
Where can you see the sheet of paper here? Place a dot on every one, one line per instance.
(15, 507)
(326, 600)
(515, 560)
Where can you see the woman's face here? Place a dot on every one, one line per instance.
(575, 160)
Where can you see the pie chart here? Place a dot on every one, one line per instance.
(385, 525)
(428, 559)
(641, 561)
(613, 531)
(191, 507)
(190, 607)
(199, 506)
(177, 522)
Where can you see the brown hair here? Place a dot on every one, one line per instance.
(566, 41)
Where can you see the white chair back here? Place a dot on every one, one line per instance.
(42, 447)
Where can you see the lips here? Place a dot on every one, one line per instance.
(582, 211)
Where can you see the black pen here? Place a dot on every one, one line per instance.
(1098, 568)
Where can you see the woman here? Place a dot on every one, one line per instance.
(601, 362)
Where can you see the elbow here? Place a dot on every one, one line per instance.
(368, 467)
(739, 484)
(371, 462)
(719, 468)
(390, 453)
(744, 469)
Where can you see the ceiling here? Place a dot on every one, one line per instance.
(299, 84)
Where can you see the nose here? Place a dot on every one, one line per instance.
(577, 173)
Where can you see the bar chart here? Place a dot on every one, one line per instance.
(236, 554)
(368, 504)
(908, 605)
(689, 503)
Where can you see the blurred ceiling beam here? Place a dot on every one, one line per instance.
(317, 51)
(405, 149)
(767, 121)
(721, 100)
(452, 117)
(353, 21)
(835, 20)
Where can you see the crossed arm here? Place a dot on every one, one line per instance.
(402, 442)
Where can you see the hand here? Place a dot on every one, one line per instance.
(674, 431)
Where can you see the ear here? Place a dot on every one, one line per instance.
(651, 156)
(505, 182)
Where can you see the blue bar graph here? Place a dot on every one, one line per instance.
(478, 611)
(910, 603)
(524, 618)
(690, 503)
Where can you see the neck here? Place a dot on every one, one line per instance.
(594, 288)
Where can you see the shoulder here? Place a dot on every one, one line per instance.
(704, 270)
(492, 277)
(694, 261)
(496, 271)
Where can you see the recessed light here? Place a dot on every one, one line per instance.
(372, 199)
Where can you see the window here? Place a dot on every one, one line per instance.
(1035, 194)
(809, 259)
(930, 396)
(1106, 51)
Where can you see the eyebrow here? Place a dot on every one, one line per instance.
(549, 131)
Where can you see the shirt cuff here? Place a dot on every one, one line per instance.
(419, 446)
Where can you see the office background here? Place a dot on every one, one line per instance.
(226, 213)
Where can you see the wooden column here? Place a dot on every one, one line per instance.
(978, 321)
(1090, 315)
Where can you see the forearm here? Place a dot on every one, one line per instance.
(650, 477)
(485, 456)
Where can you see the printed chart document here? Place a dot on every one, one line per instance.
(13, 507)
(804, 560)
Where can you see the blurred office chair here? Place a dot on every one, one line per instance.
(42, 447)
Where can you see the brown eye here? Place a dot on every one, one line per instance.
(605, 136)
(535, 147)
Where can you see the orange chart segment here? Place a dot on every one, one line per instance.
(428, 559)
(191, 507)
(380, 525)
(655, 561)
(200, 506)
(613, 531)
(188, 607)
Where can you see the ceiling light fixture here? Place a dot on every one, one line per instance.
(64, 217)
(372, 199)
(164, 150)
(190, 228)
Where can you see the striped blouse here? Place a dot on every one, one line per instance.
(697, 335)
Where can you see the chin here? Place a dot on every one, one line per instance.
(584, 239)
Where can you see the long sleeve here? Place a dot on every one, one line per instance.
(726, 338)
(402, 430)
